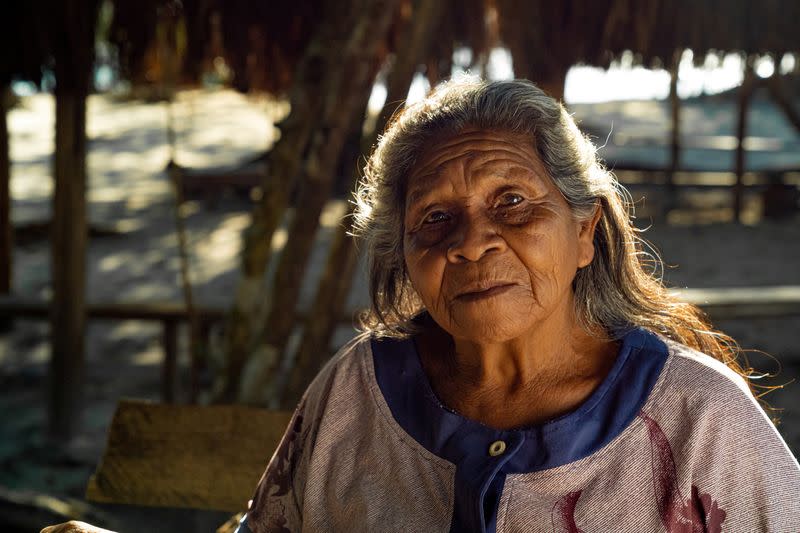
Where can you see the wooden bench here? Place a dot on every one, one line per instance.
(168, 314)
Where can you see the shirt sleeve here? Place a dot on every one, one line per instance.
(276, 505)
(745, 477)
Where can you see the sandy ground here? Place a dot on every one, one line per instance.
(138, 261)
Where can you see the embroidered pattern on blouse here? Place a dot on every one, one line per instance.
(276, 487)
(699, 513)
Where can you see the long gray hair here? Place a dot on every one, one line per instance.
(621, 288)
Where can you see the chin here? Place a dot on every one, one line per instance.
(490, 326)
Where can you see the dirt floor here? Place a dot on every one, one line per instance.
(135, 258)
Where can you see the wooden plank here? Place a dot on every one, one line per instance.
(208, 457)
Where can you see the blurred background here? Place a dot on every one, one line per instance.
(175, 180)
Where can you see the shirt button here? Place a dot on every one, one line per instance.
(498, 447)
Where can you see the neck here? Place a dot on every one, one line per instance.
(548, 370)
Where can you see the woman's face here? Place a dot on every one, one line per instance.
(490, 243)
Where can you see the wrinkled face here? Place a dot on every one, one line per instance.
(490, 243)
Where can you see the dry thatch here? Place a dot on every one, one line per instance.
(262, 42)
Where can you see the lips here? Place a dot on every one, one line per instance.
(484, 290)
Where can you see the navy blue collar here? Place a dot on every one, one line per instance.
(573, 436)
(480, 475)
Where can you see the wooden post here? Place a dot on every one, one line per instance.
(169, 370)
(74, 52)
(675, 148)
(69, 233)
(199, 360)
(6, 227)
(745, 92)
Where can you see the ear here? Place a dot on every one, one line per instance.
(586, 231)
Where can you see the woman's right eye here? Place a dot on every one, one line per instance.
(436, 217)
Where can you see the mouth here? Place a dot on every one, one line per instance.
(484, 292)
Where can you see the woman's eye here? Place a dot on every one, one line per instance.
(436, 217)
(510, 200)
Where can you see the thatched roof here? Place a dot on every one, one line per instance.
(262, 42)
(708, 26)
(545, 36)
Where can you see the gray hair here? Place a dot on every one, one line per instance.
(621, 288)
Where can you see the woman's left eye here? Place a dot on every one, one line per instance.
(510, 200)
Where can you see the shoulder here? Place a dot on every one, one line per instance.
(702, 378)
(702, 394)
(701, 403)
(708, 432)
(346, 375)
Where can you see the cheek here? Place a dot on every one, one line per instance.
(425, 269)
(550, 257)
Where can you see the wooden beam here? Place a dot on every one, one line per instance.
(208, 457)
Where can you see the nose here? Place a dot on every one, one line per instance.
(472, 239)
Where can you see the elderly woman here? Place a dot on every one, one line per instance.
(522, 369)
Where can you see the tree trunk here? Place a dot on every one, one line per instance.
(73, 63)
(6, 228)
(352, 67)
(282, 166)
(334, 286)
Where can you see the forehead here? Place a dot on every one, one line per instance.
(473, 153)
